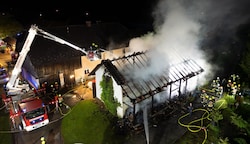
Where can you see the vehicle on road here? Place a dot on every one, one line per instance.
(4, 76)
(33, 114)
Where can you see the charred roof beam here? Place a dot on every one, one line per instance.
(148, 94)
(131, 90)
(115, 73)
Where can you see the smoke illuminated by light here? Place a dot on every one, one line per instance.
(191, 29)
(175, 40)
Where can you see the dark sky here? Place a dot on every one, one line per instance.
(208, 24)
(74, 12)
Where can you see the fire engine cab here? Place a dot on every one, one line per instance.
(33, 114)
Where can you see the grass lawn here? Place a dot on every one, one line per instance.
(88, 123)
(5, 135)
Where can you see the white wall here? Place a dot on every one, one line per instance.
(118, 96)
(98, 78)
(87, 64)
(117, 90)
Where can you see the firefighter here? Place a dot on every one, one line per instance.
(60, 100)
(234, 90)
(218, 82)
(52, 88)
(238, 88)
(214, 85)
(204, 98)
(229, 85)
(44, 88)
(42, 140)
(237, 79)
(190, 109)
(56, 87)
(234, 77)
(220, 92)
(210, 105)
(56, 102)
(94, 45)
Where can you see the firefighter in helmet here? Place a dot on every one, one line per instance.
(60, 100)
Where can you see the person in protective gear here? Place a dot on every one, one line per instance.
(60, 100)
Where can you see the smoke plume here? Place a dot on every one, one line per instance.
(184, 29)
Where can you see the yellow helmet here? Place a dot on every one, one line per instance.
(42, 138)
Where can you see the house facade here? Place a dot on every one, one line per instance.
(134, 93)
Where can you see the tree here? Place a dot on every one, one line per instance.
(244, 37)
(238, 121)
(216, 116)
(245, 62)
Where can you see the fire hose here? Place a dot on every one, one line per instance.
(196, 128)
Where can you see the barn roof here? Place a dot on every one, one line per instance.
(135, 89)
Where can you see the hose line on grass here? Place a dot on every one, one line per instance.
(196, 128)
(60, 109)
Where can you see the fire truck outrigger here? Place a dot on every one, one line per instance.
(25, 107)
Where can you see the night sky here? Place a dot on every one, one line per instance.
(75, 12)
(212, 26)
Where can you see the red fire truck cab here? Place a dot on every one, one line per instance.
(33, 114)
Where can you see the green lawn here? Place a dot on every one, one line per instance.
(88, 123)
(5, 135)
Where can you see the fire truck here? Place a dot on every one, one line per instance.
(26, 108)
(33, 113)
(4, 76)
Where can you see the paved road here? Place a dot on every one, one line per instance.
(4, 59)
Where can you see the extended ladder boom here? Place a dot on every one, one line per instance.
(33, 31)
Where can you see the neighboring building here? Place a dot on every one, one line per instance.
(88, 66)
(133, 93)
(3, 46)
(53, 61)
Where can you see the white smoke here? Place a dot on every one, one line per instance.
(176, 38)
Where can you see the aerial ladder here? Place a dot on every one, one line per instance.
(13, 86)
(18, 98)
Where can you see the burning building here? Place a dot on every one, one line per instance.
(133, 93)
